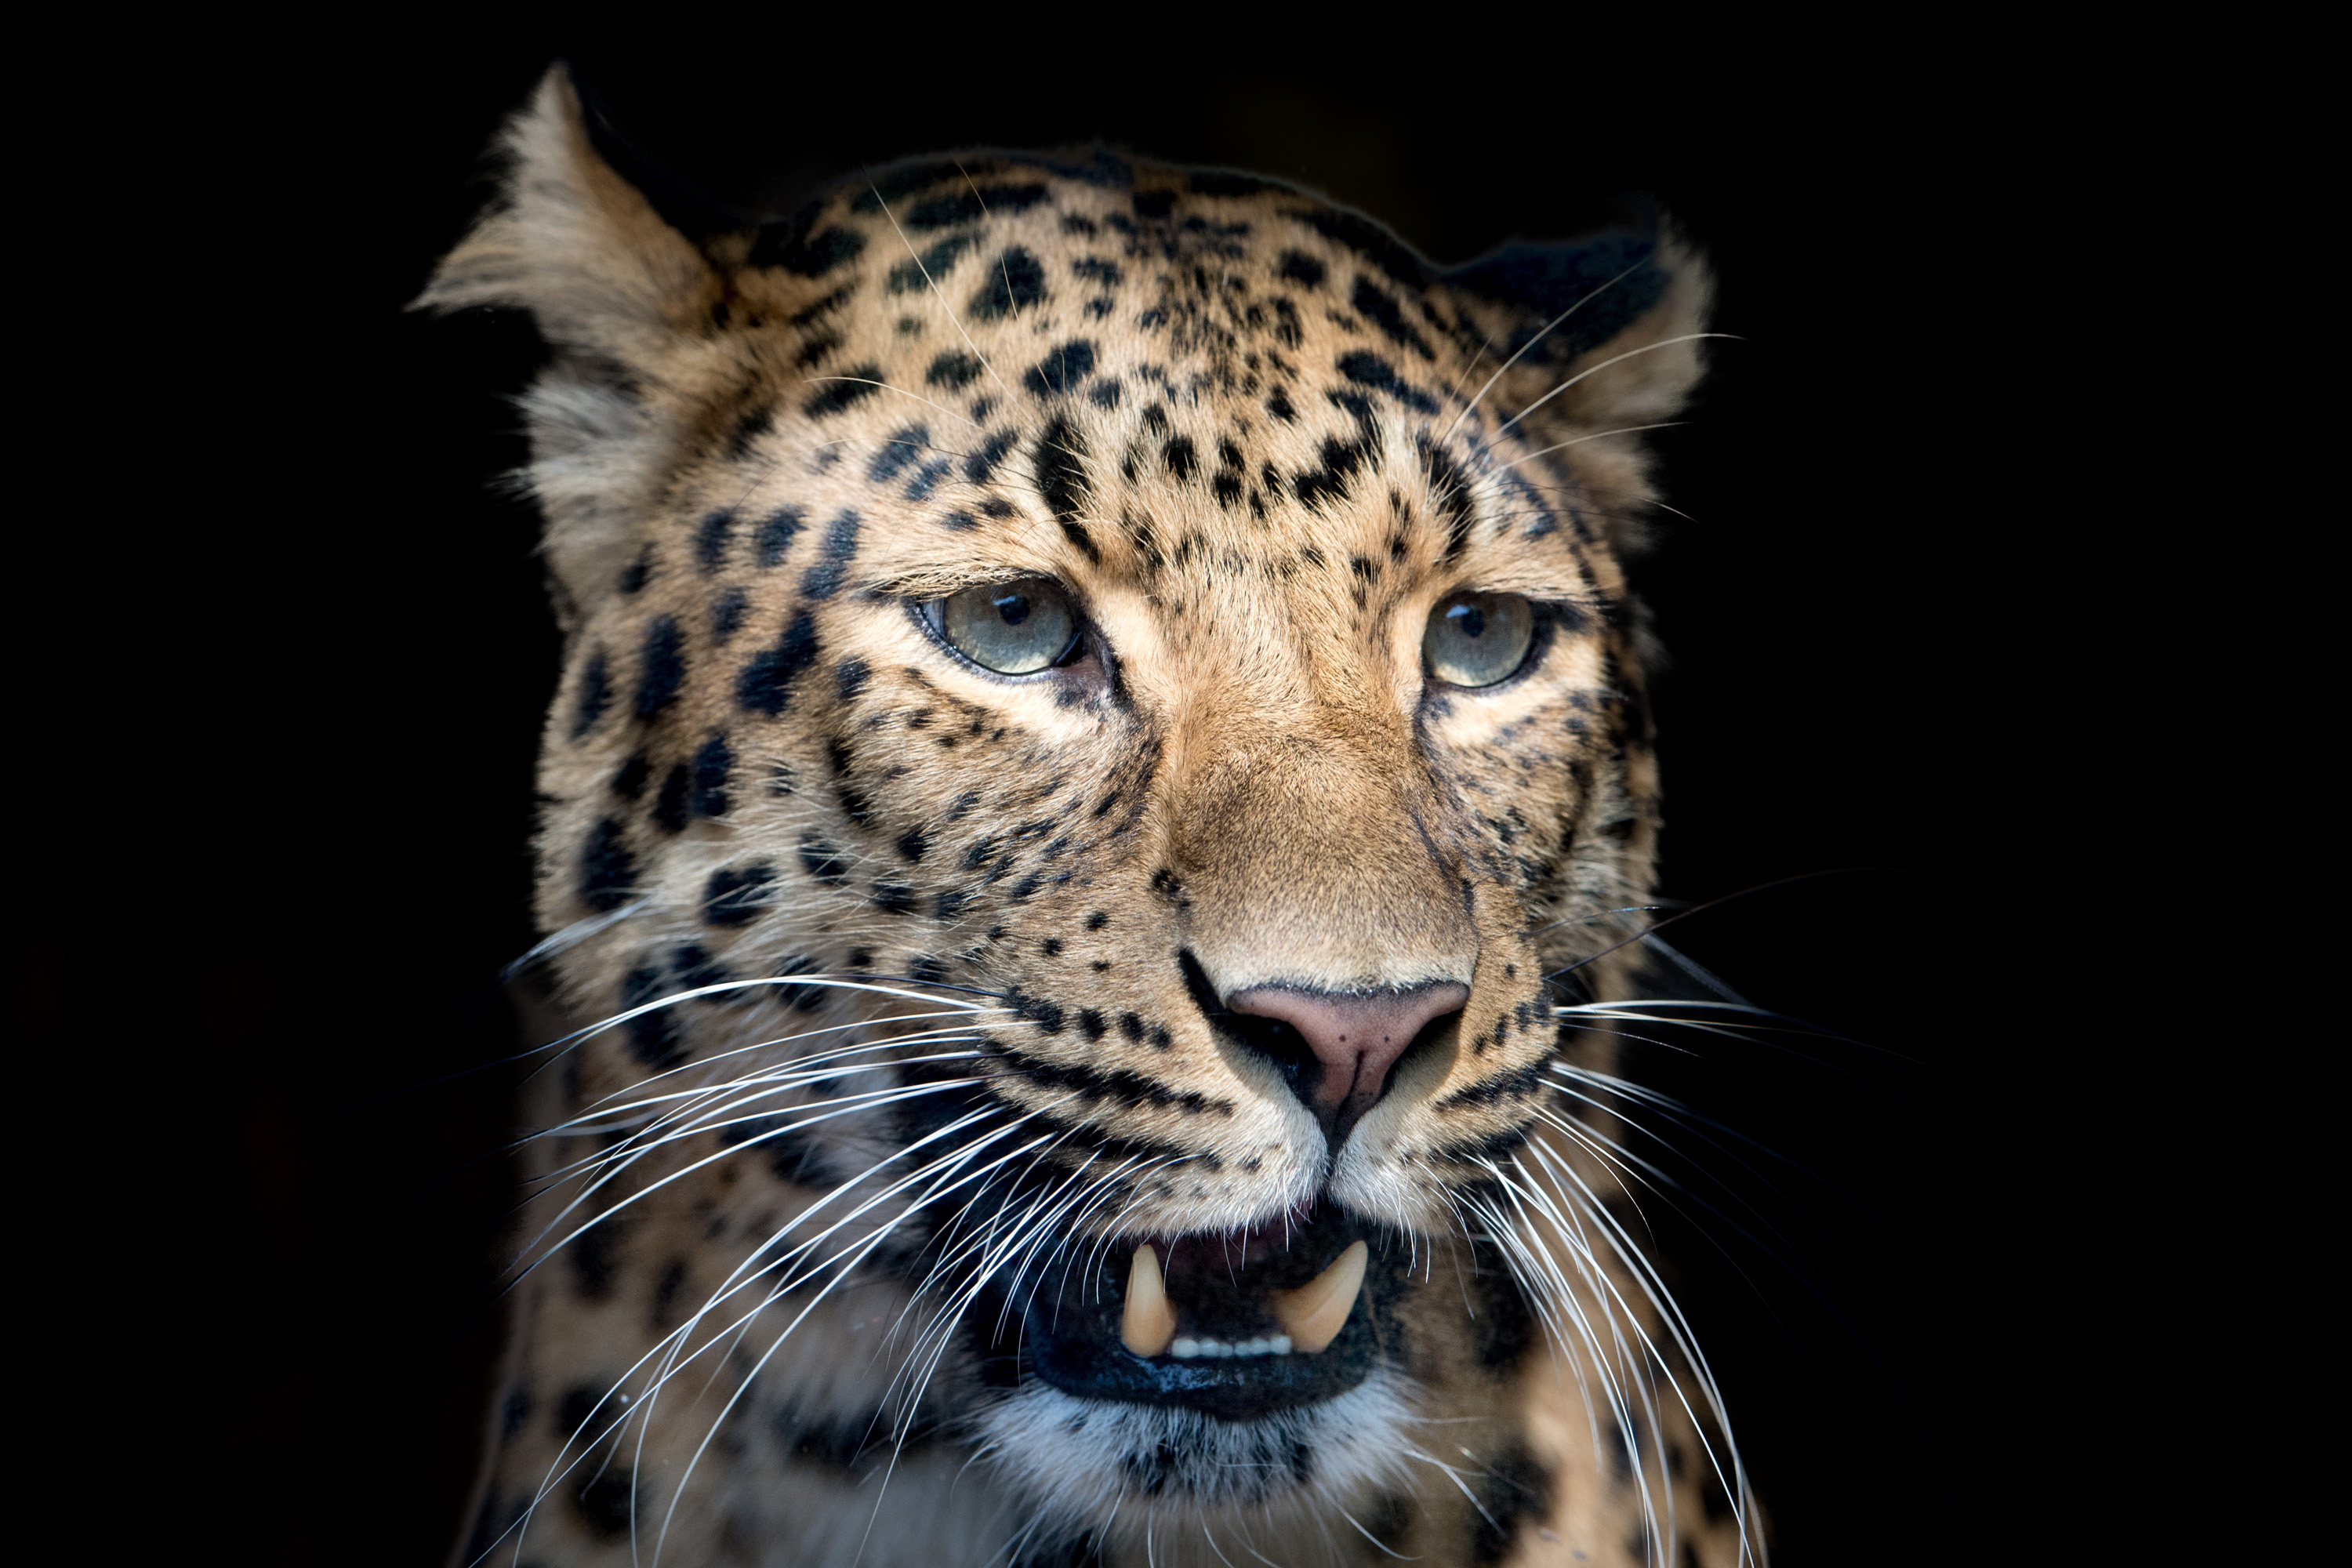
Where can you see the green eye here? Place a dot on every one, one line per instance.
(1013, 629)
(1476, 639)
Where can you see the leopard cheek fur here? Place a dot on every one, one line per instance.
(913, 991)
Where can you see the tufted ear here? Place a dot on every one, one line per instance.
(1607, 336)
(619, 294)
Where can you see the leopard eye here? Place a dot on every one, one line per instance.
(1476, 639)
(1013, 629)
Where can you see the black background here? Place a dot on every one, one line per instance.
(352, 651)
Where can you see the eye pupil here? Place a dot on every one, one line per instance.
(1014, 608)
(1477, 639)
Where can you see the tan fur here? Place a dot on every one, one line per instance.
(1268, 786)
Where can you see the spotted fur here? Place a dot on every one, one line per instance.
(1258, 439)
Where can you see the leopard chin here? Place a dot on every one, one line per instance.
(1094, 830)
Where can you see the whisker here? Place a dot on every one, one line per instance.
(1604, 365)
(1532, 342)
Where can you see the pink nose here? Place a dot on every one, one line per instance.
(1356, 1037)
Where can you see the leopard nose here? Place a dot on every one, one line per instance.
(1355, 1037)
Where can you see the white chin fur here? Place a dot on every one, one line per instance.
(1087, 1464)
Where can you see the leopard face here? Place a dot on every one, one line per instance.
(1102, 721)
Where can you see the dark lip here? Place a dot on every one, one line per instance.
(1061, 1324)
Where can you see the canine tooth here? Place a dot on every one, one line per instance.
(1149, 1322)
(1317, 1310)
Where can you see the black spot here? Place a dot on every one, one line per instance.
(1105, 395)
(789, 246)
(983, 459)
(1062, 479)
(1154, 203)
(968, 205)
(652, 1034)
(1378, 305)
(822, 861)
(665, 1289)
(735, 898)
(663, 666)
(1389, 1516)
(1018, 280)
(1449, 492)
(593, 1263)
(930, 267)
(954, 370)
(1091, 1024)
(765, 684)
(849, 678)
(1277, 403)
(1285, 326)
(1341, 460)
(727, 614)
(713, 764)
(696, 968)
(1368, 369)
(775, 534)
(608, 872)
(1297, 267)
(595, 691)
(836, 393)
(669, 805)
(578, 1415)
(1131, 1026)
(899, 449)
(747, 431)
(629, 782)
(710, 542)
(894, 898)
(1513, 1487)
(1095, 269)
(1180, 456)
(639, 572)
(824, 579)
(1061, 370)
(814, 350)
(608, 1498)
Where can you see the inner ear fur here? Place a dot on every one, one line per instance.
(620, 295)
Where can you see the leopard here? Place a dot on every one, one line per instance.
(1093, 828)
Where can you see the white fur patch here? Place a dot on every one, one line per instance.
(1130, 1471)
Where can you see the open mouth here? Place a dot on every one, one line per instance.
(1235, 1324)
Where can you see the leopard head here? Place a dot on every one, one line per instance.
(1102, 723)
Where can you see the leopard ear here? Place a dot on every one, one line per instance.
(1608, 333)
(622, 295)
(578, 245)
